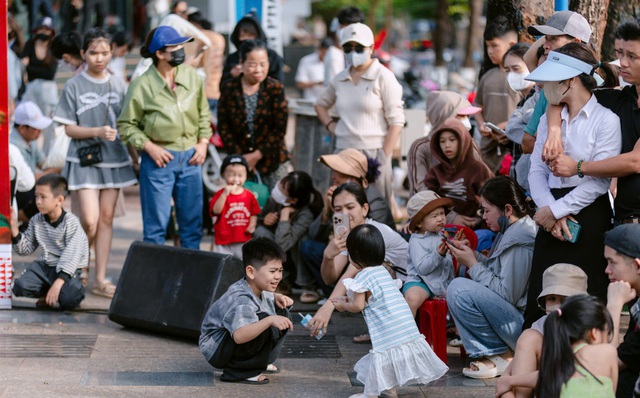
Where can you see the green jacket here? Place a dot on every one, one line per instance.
(175, 120)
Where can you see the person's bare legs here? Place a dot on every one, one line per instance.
(96, 208)
(86, 205)
(415, 296)
(104, 235)
(525, 361)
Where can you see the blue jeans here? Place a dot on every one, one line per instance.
(178, 180)
(312, 252)
(487, 324)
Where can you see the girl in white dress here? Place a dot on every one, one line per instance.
(400, 354)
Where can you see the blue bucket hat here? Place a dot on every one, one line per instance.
(166, 36)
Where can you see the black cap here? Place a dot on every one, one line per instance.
(233, 159)
(624, 239)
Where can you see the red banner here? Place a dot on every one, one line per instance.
(5, 183)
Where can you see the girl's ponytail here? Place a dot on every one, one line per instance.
(557, 363)
(564, 327)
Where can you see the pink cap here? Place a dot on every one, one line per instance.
(469, 110)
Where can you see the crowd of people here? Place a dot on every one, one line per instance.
(530, 230)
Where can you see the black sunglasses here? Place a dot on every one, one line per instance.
(350, 47)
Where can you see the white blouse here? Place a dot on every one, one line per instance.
(593, 134)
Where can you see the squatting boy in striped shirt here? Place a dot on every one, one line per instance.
(54, 276)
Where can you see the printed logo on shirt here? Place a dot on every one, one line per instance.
(455, 189)
(238, 215)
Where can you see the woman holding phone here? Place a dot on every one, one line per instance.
(350, 200)
(589, 132)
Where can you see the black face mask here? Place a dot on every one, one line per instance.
(177, 58)
(43, 36)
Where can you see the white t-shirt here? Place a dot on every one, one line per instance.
(311, 70)
(333, 63)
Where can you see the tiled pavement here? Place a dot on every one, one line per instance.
(83, 354)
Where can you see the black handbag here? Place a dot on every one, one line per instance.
(90, 155)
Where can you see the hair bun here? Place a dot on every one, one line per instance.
(144, 52)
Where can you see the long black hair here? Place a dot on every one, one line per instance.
(144, 50)
(300, 186)
(564, 327)
(502, 190)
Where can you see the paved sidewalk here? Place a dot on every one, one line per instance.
(83, 354)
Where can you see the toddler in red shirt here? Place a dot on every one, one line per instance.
(235, 207)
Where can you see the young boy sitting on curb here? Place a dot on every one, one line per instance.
(429, 267)
(54, 277)
(243, 331)
(558, 282)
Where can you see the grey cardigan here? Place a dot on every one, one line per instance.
(506, 271)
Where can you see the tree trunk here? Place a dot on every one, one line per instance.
(371, 20)
(595, 11)
(443, 31)
(474, 33)
(619, 12)
(522, 13)
(533, 12)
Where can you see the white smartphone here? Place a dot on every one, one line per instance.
(340, 224)
(495, 128)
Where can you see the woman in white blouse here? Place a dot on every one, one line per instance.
(589, 132)
(368, 100)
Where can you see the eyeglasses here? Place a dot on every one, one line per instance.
(350, 47)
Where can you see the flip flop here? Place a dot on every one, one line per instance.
(272, 369)
(362, 339)
(309, 297)
(251, 380)
(485, 372)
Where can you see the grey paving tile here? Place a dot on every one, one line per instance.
(182, 379)
(45, 390)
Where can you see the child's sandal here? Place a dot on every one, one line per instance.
(105, 289)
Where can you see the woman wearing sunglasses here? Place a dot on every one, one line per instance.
(368, 100)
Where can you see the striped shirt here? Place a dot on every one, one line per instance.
(64, 243)
(387, 313)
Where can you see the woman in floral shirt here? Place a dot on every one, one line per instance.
(252, 115)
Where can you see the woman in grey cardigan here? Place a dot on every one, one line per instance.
(488, 308)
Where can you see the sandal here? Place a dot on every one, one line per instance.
(256, 380)
(455, 343)
(485, 372)
(309, 297)
(362, 339)
(84, 276)
(105, 289)
(272, 369)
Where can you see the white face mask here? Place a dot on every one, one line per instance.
(279, 197)
(358, 59)
(555, 92)
(517, 82)
(549, 309)
(466, 122)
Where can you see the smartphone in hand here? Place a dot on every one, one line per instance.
(448, 240)
(340, 224)
(495, 128)
(574, 229)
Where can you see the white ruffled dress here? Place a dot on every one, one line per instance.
(400, 355)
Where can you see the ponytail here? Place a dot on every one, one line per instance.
(564, 327)
(586, 54)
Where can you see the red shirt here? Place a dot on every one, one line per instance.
(232, 223)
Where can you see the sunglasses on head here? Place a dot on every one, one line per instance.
(350, 47)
